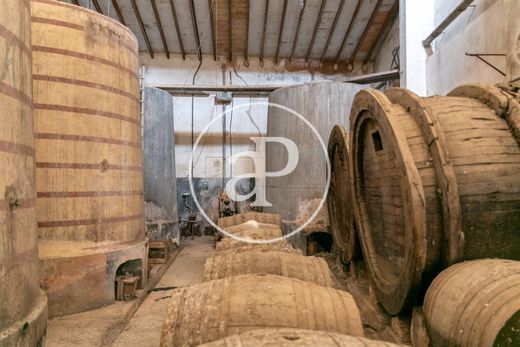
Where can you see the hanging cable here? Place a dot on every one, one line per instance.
(248, 112)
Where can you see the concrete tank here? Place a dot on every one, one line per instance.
(89, 177)
(160, 185)
(23, 306)
(324, 104)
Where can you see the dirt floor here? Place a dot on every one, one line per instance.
(142, 327)
(377, 324)
(138, 322)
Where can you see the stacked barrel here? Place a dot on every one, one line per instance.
(425, 183)
(23, 306)
(89, 178)
(251, 287)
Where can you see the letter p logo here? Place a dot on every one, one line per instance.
(260, 174)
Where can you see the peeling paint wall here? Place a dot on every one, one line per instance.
(241, 124)
(383, 61)
(490, 26)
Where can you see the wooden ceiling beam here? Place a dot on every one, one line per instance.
(212, 24)
(195, 29)
(388, 21)
(159, 26)
(280, 31)
(246, 53)
(332, 29)
(365, 32)
(118, 12)
(264, 30)
(96, 5)
(297, 35)
(177, 29)
(316, 26)
(143, 29)
(349, 29)
(230, 25)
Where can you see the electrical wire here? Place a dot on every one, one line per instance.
(248, 112)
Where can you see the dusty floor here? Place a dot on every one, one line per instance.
(97, 327)
(144, 329)
(138, 323)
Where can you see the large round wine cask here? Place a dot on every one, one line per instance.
(435, 181)
(322, 104)
(235, 246)
(309, 269)
(288, 337)
(159, 175)
(89, 178)
(475, 303)
(251, 224)
(250, 239)
(253, 228)
(260, 217)
(23, 306)
(216, 309)
(339, 199)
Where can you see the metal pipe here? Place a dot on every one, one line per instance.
(266, 89)
(446, 22)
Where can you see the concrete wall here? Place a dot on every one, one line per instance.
(296, 196)
(159, 153)
(416, 18)
(241, 123)
(491, 26)
(383, 61)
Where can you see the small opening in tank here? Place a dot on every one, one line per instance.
(376, 140)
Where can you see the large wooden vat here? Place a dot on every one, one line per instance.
(322, 104)
(295, 338)
(264, 218)
(23, 306)
(435, 182)
(89, 177)
(339, 199)
(309, 269)
(215, 309)
(160, 181)
(475, 303)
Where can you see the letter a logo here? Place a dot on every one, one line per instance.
(260, 174)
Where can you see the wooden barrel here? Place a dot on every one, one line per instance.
(288, 337)
(435, 181)
(475, 303)
(251, 235)
(21, 300)
(251, 225)
(339, 199)
(215, 309)
(235, 246)
(89, 179)
(260, 217)
(251, 228)
(309, 269)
